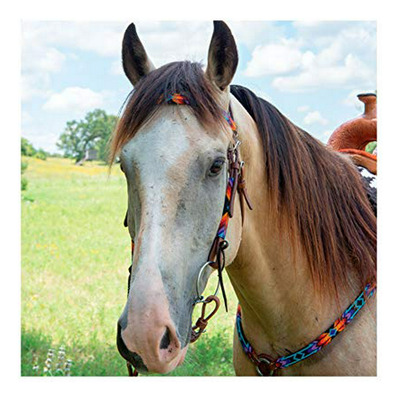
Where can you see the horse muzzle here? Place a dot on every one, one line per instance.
(147, 338)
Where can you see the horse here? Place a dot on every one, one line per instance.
(296, 260)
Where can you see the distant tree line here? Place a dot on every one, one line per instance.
(28, 150)
(92, 132)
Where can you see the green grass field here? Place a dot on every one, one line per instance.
(75, 259)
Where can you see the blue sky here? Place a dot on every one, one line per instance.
(311, 71)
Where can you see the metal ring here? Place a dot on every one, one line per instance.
(200, 298)
(263, 359)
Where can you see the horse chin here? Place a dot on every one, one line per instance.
(168, 367)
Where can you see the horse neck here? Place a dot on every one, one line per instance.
(280, 308)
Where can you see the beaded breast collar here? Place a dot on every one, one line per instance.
(267, 366)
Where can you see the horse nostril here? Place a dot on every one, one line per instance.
(165, 340)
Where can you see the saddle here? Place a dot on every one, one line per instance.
(362, 159)
(353, 136)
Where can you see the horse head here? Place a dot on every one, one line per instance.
(174, 158)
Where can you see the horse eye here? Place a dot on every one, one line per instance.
(217, 167)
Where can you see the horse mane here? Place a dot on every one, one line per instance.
(319, 199)
(315, 193)
(186, 78)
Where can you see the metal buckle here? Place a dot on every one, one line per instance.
(237, 144)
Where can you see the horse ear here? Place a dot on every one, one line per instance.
(135, 62)
(222, 56)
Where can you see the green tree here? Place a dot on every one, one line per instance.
(27, 148)
(41, 154)
(93, 131)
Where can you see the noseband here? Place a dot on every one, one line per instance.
(216, 256)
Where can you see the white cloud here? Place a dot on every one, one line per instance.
(190, 40)
(74, 99)
(303, 108)
(41, 58)
(38, 63)
(34, 85)
(165, 41)
(273, 59)
(322, 55)
(103, 39)
(252, 33)
(322, 33)
(351, 71)
(315, 117)
(312, 29)
(26, 118)
(47, 45)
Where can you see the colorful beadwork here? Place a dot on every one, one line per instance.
(316, 345)
(223, 225)
(180, 99)
(228, 117)
(177, 99)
